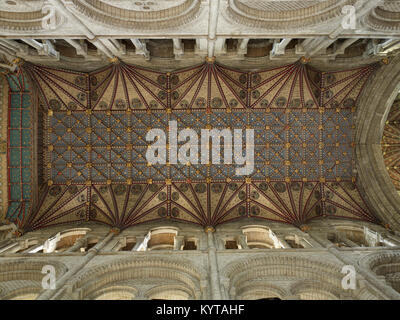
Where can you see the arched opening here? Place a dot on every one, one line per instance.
(336, 240)
(62, 241)
(190, 244)
(316, 294)
(260, 237)
(115, 295)
(162, 238)
(387, 266)
(162, 277)
(294, 242)
(162, 293)
(25, 296)
(231, 243)
(129, 242)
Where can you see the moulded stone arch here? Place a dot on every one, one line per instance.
(315, 290)
(25, 278)
(181, 271)
(274, 15)
(245, 271)
(170, 292)
(373, 108)
(21, 290)
(168, 15)
(115, 292)
(385, 264)
(260, 290)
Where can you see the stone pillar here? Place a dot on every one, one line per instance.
(178, 242)
(140, 48)
(7, 230)
(11, 247)
(212, 26)
(243, 241)
(313, 46)
(178, 48)
(340, 49)
(282, 240)
(100, 46)
(80, 47)
(48, 293)
(114, 46)
(81, 242)
(19, 48)
(213, 265)
(242, 48)
(347, 241)
(225, 288)
(201, 46)
(321, 240)
(390, 240)
(220, 46)
(279, 47)
(139, 241)
(204, 286)
(36, 45)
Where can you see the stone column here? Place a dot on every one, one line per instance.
(282, 240)
(19, 48)
(178, 48)
(340, 49)
(212, 26)
(140, 48)
(60, 283)
(322, 241)
(225, 288)
(201, 46)
(12, 247)
(213, 265)
(139, 241)
(243, 241)
(279, 47)
(81, 242)
(81, 48)
(242, 48)
(6, 231)
(220, 46)
(178, 241)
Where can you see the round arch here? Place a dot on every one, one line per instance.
(180, 273)
(24, 280)
(256, 277)
(374, 106)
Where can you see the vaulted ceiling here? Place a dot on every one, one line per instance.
(92, 139)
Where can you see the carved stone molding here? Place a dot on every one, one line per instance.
(385, 17)
(141, 15)
(101, 276)
(279, 15)
(27, 16)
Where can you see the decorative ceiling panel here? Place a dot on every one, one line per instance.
(95, 148)
(19, 147)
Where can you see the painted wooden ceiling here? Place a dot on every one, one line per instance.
(93, 128)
